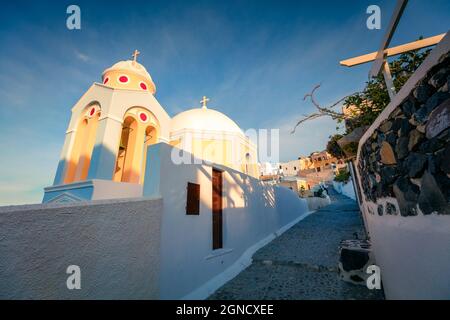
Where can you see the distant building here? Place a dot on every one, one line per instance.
(267, 169)
(310, 171)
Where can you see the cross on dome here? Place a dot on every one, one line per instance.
(204, 101)
(135, 55)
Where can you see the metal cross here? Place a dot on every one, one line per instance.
(204, 101)
(135, 55)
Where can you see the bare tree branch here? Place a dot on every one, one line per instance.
(323, 111)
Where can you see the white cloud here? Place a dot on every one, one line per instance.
(81, 56)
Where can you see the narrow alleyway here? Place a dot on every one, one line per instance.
(303, 262)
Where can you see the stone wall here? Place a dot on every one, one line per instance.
(408, 156)
(403, 175)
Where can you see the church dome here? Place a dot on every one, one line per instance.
(128, 74)
(204, 119)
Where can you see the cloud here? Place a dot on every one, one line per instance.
(81, 56)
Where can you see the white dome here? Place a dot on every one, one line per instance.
(130, 66)
(204, 119)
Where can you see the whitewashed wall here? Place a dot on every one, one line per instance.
(145, 248)
(346, 189)
(115, 243)
(253, 214)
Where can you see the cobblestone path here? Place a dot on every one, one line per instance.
(302, 262)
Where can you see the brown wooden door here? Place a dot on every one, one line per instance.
(217, 208)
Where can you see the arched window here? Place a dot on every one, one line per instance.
(138, 132)
(77, 166)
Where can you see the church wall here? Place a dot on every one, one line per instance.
(252, 213)
(115, 243)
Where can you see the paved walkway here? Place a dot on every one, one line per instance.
(302, 263)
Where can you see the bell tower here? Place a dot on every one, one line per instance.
(111, 126)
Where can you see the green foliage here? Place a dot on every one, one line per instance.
(333, 148)
(342, 176)
(368, 104)
(351, 148)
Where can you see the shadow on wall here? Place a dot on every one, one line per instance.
(101, 167)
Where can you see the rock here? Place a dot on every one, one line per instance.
(380, 138)
(415, 163)
(431, 198)
(444, 184)
(435, 100)
(402, 147)
(386, 126)
(443, 160)
(397, 123)
(439, 120)
(398, 112)
(388, 174)
(353, 136)
(419, 117)
(387, 154)
(391, 138)
(444, 136)
(422, 92)
(421, 128)
(407, 195)
(380, 210)
(405, 128)
(439, 78)
(415, 137)
(432, 161)
(409, 107)
(391, 209)
(431, 146)
(374, 146)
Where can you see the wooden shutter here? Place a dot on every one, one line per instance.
(193, 199)
(217, 209)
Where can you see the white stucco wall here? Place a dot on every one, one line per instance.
(346, 189)
(253, 213)
(114, 242)
(412, 252)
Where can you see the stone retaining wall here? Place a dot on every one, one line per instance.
(403, 174)
(408, 156)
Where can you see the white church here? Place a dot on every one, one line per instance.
(147, 206)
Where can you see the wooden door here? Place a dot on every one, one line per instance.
(217, 209)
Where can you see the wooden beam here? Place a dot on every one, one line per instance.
(378, 64)
(419, 44)
(388, 80)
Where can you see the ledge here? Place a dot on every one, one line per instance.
(218, 253)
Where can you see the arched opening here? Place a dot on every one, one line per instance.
(80, 157)
(124, 163)
(151, 136)
(136, 136)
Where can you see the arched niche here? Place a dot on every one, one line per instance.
(140, 129)
(78, 162)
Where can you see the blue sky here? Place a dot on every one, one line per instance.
(254, 59)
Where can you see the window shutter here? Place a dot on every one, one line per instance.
(193, 199)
